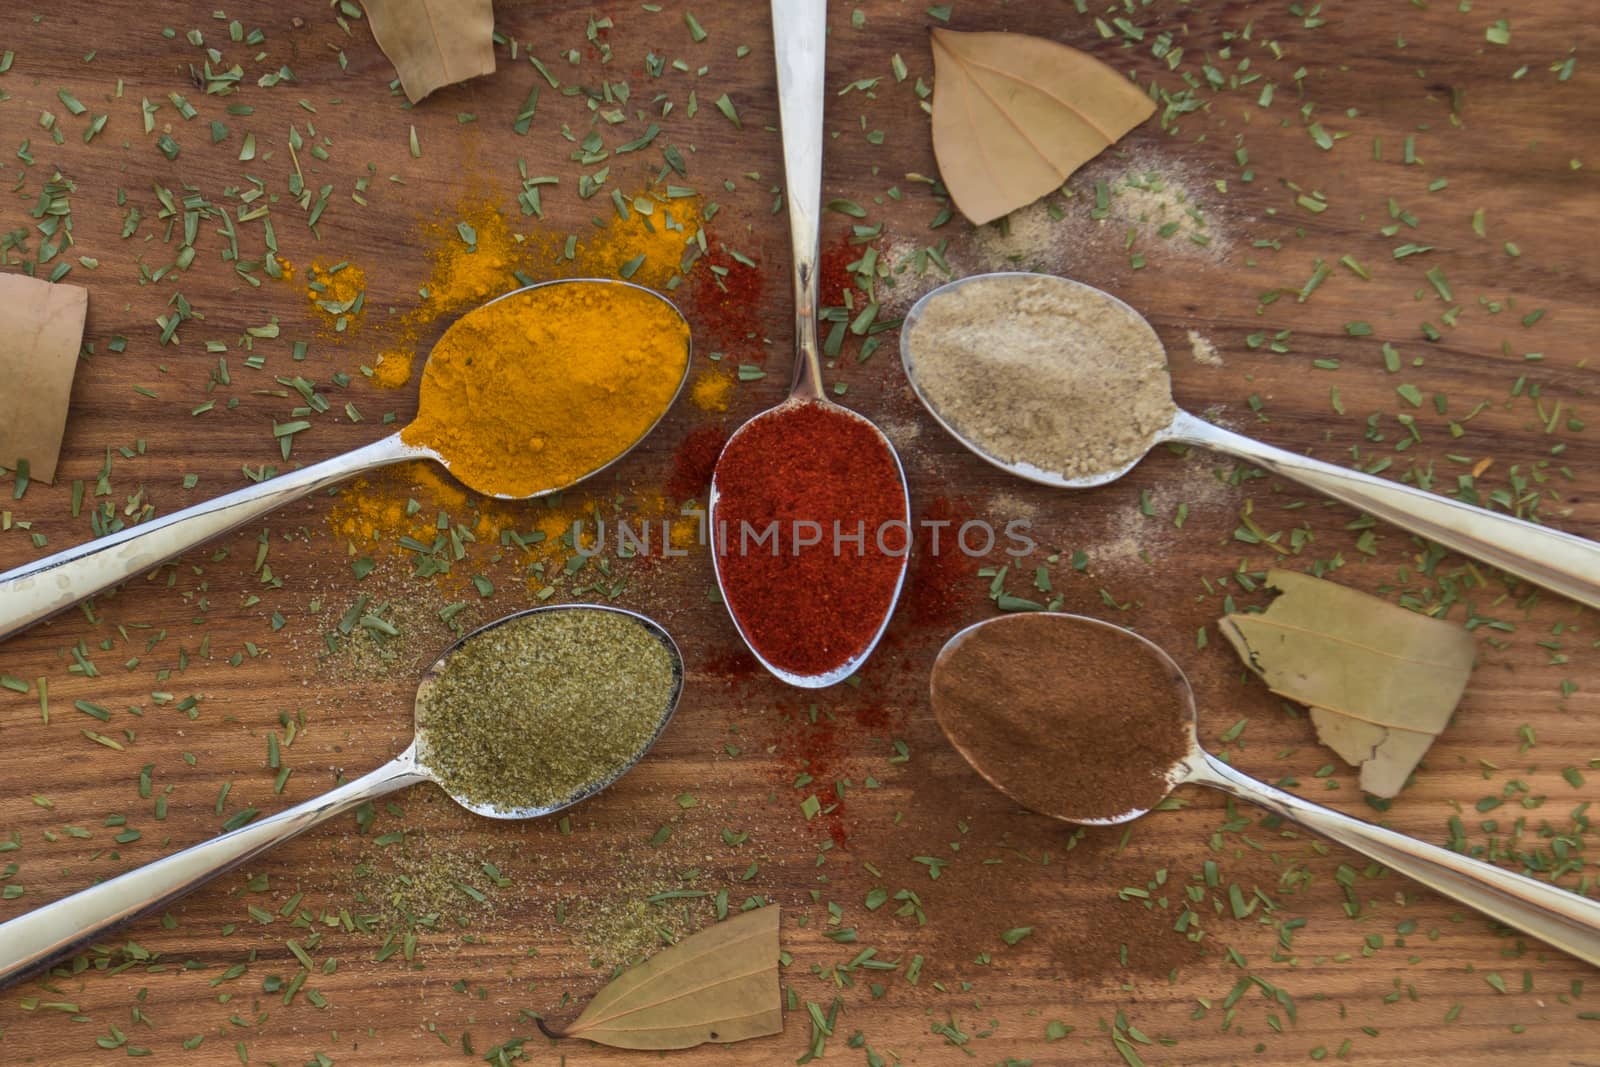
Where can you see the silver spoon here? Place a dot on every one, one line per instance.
(1562, 562)
(58, 929)
(39, 589)
(800, 31)
(1564, 919)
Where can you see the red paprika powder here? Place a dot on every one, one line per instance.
(810, 525)
(725, 303)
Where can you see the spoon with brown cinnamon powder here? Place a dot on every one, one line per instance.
(1090, 723)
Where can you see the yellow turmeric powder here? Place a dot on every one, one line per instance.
(711, 389)
(650, 240)
(535, 391)
(338, 291)
(646, 241)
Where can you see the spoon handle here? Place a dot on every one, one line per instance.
(1562, 562)
(39, 589)
(799, 38)
(1557, 916)
(50, 933)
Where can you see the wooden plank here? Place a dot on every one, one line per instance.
(1398, 973)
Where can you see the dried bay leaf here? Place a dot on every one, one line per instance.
(1014, 116)
(41, 331)
(1381, 681)
(434, 43)
(720, 985)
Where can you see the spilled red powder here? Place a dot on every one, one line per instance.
(814, 748)
(940, 584)
(734, 662)
(724, 304)
(874, 718)
(694, 461)
(833, 270)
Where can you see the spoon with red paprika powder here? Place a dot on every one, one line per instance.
(810, 519)
(1090, 723)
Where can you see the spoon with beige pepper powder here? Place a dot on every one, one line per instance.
(520, 718)
(1063, 384)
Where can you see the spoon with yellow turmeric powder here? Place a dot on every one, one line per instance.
(527, 395)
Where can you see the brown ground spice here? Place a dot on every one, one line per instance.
(1069, 717)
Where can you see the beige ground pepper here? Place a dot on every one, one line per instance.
(1042, 370)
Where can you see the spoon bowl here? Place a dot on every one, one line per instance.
(39, 589)
(1019, 468)
(1562, 562)
(1565, 919)
(514, 294)
(431, 676)
(836, 674)
(56, 930)
(799, 29)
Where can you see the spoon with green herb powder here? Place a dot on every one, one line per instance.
(1063, 384)
(521, 718)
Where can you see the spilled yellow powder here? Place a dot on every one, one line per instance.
(465, 273)
(372, 515)
(685, 532)
(478, 255)
(711, 389)
(648, 242)
(393, 368)
(405, 501)
(338, 292)
(399, 508)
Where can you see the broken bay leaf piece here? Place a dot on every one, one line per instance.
(434, 43)
(41, 331)
(1014, 116)
(720, 984)
(1381, 681)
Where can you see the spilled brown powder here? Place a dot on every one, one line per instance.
(1067, 716)
(1043, 371)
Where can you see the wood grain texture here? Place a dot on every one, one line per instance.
(1397, 972)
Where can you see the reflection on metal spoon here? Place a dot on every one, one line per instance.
(1564, 919)
(39, 589)
(1562, 562)
(56, 930)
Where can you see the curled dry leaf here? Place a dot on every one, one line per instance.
(1014, 116)
(434, 43)
(720, 984)
(1381, 681)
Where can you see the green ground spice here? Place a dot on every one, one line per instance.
(534, 711)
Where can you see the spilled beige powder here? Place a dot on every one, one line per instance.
(1204, 352)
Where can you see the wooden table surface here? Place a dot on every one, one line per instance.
(1431, 119)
